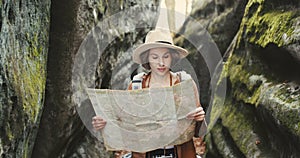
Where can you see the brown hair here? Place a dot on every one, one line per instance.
(145, 58)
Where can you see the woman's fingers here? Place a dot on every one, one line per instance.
(99, 126)
(98, 122)
(199, 117)
(198, 114)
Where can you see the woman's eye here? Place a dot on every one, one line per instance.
(154, 57)
(166, 56)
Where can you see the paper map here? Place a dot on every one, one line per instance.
(145, 119)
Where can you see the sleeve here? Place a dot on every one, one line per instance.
(201, 127)
(196, 94)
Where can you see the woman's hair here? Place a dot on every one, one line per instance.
(145, 58)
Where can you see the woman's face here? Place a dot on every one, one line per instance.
(160, 60)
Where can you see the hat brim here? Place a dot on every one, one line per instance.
(144, 47)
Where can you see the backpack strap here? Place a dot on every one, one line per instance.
(141, 77)
(183, 76)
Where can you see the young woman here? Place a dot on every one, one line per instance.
(158, 54)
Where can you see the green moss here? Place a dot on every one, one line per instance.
(285, 106)
(240, 80)
(255, 97)
(280, 99)
(101, 7)
(270, 28)
(240, 121)
(245, 19)
(216, 111)
(264, 26)
(29, 78)
(285, 96)
(9, 133)
(35, 82)
(239, 124)
(224, 73)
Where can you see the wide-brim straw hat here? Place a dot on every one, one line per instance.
(158, 38)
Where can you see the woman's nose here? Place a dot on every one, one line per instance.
(161, 62)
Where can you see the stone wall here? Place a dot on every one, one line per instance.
(260, 117)
(64, 132)
(24, 49)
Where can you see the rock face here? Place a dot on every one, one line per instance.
(62, 132)
(24, 48)
(261, 113)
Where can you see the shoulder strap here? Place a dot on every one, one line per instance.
(139, 77)
(183, 75)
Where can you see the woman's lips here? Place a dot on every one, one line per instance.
(161, 69)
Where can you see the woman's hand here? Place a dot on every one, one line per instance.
(198, 114)
(98, 123)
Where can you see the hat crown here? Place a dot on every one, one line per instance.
(159, 36)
